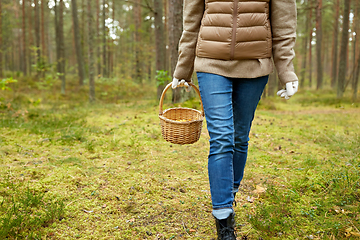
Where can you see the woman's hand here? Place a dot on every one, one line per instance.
(290, 89)
(180, 83)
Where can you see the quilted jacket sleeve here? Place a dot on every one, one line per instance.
(192, 14)
(283, 26)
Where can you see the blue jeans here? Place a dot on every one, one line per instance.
(229, 105)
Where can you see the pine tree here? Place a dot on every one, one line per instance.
(91, 55)
(319, 64)
(159, 41)
(343, 50)
(78, 48)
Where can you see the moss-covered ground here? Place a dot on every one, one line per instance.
(74, 170)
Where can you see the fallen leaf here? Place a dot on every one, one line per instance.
(259, 189)
(357, 234)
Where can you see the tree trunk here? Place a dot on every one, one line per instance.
(113, 49)
(159, 41)
(48, 37)
(82, 31)
(319, 66)
(357, 68)
(37, 37)
(91, 55)
(137, 17)
(356, 79)
(175, 22)
(166, 37)
(334, 64)
(304, 50)
(98, 57)
(310, 44)
(104, 41)
(272, 83)
(355, 40)
(343, 50)
(57, 35)
(43, 42)
(30, 34)
(24, 38)
(1, 43)
(78, 48)
(61, 61)
(17, 43)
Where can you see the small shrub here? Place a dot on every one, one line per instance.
(162, 77)
(4, 83)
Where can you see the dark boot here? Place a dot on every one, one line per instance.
(226, 228)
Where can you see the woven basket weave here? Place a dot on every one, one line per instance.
(181, 125)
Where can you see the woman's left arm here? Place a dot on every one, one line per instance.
(283, 26)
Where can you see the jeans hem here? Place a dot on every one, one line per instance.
(223, 207)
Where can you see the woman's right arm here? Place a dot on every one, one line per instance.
(192, 14)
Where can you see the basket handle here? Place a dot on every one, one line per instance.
(168, 86)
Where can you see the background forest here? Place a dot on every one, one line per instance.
(81, 148)
(103, 41)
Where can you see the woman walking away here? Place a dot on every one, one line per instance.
(232, 45)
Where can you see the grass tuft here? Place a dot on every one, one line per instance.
(25, 211)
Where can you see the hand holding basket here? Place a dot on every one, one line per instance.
(181, 125)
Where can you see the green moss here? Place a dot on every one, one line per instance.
(114, 176)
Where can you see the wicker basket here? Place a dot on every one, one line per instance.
(181, 125)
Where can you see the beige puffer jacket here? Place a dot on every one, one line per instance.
(238, 38)
(227, 34)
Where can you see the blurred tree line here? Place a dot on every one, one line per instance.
(138, 39)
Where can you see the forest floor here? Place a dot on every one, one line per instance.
(73, 170)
